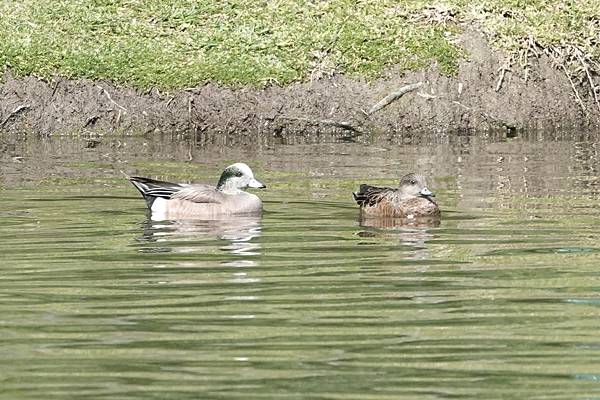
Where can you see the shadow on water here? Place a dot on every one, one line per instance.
(498, 299)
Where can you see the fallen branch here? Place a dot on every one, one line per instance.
(329, 122)
(394, 96)
(14, 112)
(110, 98)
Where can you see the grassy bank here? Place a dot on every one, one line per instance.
(182, 43)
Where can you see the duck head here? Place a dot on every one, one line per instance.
(413, 185)
(237, 177)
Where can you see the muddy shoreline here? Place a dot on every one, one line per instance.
(480, 97)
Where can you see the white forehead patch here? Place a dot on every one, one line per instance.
(244, 168)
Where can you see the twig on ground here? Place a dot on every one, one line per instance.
(533, 46)
(91, 120)
(526, 66)
(503, 69)
(589, 77)
(226, 128)
(110, 98)
(462, 105)
(426, 96)
(579, 100)
(14, 112)
(55, 88)
(394, 96)
(529, 47)
(560, 61)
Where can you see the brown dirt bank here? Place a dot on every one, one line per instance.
(469, 101)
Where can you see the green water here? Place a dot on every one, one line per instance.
(500, 301)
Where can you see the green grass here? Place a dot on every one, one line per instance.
(183, 43)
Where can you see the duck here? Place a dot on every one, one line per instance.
(412, 199)
(167, 200)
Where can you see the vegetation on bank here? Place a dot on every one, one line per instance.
(182, 43)
(179, 43)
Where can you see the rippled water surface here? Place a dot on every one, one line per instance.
(500, 301)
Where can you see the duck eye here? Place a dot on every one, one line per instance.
(413, 182)
(239, 173)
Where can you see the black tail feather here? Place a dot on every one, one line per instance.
(151, 188)
(368, 195)
(362, 196)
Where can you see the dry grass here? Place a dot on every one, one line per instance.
(566, 31)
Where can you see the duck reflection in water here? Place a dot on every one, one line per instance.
(414, 236)
(186, 236)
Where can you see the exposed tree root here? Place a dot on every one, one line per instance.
(108, 96)
(577, 64)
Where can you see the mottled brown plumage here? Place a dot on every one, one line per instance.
(411, 199)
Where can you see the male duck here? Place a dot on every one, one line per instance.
(410, 200)
(168, 200)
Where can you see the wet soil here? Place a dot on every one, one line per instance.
(472, 100)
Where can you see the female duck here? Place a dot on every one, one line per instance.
(410, 200)
(168, 200)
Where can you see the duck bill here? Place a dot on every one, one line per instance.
(426, 192)
(256, 184)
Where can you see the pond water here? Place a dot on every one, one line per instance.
(500, 301)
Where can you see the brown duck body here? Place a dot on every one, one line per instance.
(411, 199)
(385, 202)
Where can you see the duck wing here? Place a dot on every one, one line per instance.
(199, 194)
(152, 189)
(368, 195)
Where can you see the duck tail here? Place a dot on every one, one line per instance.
(151, 188)
(361, 196)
